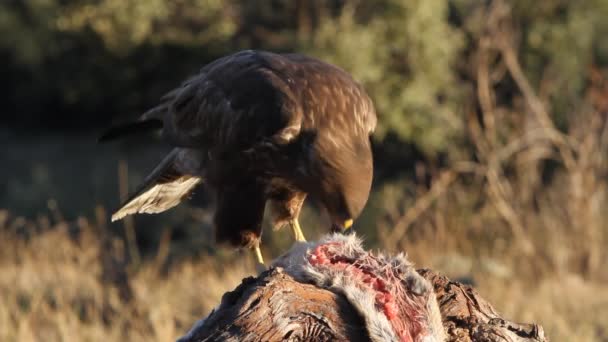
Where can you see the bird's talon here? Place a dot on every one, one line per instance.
(259, 266)
(297, 231)
(258, 255)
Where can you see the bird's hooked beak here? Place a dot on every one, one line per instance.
(348, 223)
(345, 226)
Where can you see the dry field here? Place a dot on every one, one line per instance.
(56, 285)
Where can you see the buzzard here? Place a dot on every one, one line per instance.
(260, 127)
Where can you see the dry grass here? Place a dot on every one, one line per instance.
(52, 288)
(568, 307)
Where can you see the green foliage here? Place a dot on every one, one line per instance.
(558, 41)
(81, 63)
(397, 56)
(561, 40)
(408, 54)
(26, 30)
(125, 24)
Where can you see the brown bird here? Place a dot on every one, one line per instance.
(256, 127)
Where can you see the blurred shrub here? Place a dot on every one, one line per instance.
(124, 25)
(404, 53)
(82, 63)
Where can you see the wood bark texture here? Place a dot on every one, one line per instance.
(275, 307)
(468, 317)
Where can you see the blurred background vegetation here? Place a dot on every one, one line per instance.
(491, 154)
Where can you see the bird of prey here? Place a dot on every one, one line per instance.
(260, 127)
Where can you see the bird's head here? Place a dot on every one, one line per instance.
(345, 183)
(344, 205)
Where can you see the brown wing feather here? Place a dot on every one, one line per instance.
(233, 103)
(163, 189)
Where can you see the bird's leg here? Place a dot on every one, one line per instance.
(258, 255)
(285, 208)
(297, 231)
(260, 266)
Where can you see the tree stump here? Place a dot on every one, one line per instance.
(468, 317)
(282, 304)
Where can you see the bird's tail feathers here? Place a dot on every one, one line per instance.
(163, 189)
(130, 128)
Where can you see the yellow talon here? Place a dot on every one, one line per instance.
(297, 231)
(258, 254)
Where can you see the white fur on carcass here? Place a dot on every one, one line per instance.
(296, 263)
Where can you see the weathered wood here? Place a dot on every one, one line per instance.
(274, 307)
(468, 317)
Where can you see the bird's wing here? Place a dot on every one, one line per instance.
(164, 188)
(234, 102)
(150, 120)
(331, 98)
(368, 116)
